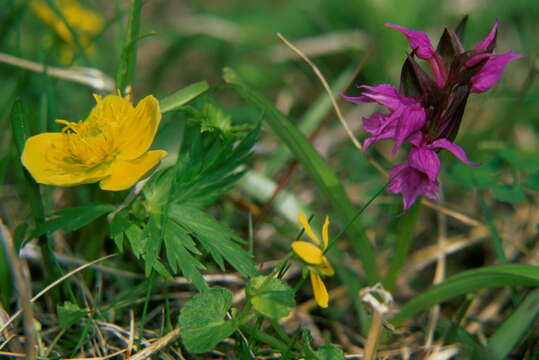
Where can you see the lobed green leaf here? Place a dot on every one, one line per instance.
(202, 320)
(270, 296)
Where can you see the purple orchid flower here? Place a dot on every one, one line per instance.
(406, 116)
(426, 112)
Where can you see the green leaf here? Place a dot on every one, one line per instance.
(216, 238)
(533, 181)
(153, 242)
(513, 329)
(6, 283)
(136, 238)
(73, 218)
(202, 320)
(316, 167)
(482, 177)
(308, 351)
(119, 224)
(19, 126)
(469, 281)
(508, 193)
(69, 314)
(183, 96)
(330, 352)
(173, 202)
(180, 249)
(271, 296)
(527, 163)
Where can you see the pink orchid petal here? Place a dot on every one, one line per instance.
(412, 119)
(477, 58)
(456, 150)
(489, 75)
(356, 99)
(485, 43)
(373, 123)
(418, 41)
(381, 126)
(411, 184)
(426, 161)
(385, 94)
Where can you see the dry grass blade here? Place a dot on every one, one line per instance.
(110, 356)
(22, 283)
(91, 77)
(52, 285)
(157, 345)
(326, 86)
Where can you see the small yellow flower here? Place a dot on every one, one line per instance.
(85, 22)
(313, 254)
(110, 146)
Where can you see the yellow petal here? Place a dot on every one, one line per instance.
(307, 227)
(325, 268)
(47, 157)
(325, 233)
(321, 295)
(112, 111)
(308, 252)
(139, 130)
(125, 174)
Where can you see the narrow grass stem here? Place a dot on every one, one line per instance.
(356, 216)
(374, 335)
(145, 308)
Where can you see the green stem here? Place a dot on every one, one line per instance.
(151, 280)
(265, 338)
(128, 59)
(356, 216)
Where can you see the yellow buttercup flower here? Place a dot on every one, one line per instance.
(110, 146)
(85, 22)
(313, 255)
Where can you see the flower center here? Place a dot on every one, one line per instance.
(88, 144)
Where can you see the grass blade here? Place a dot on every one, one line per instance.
(469, 281)
(183, 96)
(513, 329)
